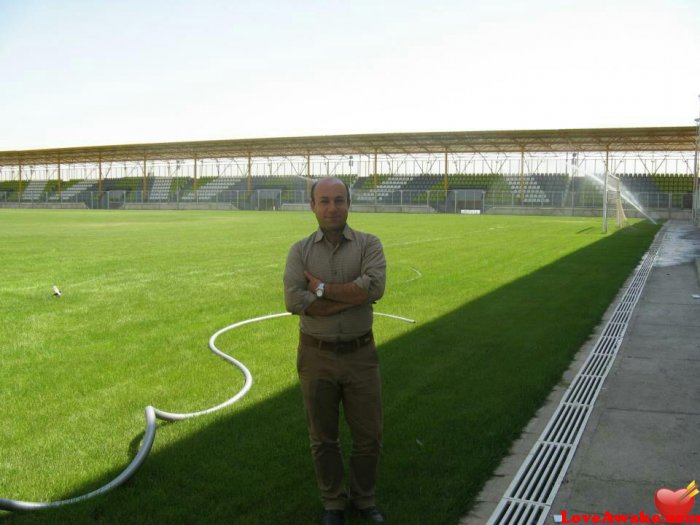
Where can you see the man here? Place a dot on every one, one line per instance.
(331, 280)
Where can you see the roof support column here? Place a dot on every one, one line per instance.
(374, 170)
(145, 184)
(99, 176)
(19, 182)
(522, 176)
(308, 175)
(59, 179)
(194, 183)
(618, 203)
(376, 178)
(605, 190)
(250, 173)
(696, 180)
(696, 183)
(447, 171)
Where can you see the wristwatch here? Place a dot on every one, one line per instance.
(320, 289)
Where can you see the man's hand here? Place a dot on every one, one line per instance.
(343, 293)
(313, 282)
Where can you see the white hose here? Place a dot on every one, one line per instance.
(170, 416)
(151, 414)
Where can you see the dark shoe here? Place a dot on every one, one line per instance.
(371, 514)
(334, 517)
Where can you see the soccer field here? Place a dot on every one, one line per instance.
(501, 306)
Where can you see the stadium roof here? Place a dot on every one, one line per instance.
(533, 141)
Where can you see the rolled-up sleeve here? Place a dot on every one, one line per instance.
(373, 278)
(297, 297)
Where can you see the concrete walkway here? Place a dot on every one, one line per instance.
(644, 431)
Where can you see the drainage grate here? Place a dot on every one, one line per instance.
(531, 493)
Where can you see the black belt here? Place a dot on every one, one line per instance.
(340, 346)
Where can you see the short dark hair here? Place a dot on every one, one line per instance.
(313, 186)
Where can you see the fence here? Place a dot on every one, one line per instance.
(451, 201)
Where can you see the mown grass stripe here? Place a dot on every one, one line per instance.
(502, 306)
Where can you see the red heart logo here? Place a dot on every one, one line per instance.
(672, 504)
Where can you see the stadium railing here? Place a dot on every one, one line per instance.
(440, 201)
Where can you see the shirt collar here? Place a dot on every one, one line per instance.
(348, 233)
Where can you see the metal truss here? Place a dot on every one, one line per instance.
(542, 141)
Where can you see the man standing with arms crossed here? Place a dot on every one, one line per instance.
(331, 280)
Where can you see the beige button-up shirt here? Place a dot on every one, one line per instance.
(359, 258)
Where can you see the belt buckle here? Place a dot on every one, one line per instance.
(345, 347)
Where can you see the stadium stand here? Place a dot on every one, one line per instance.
(674, 183)
(347, 179)
(416, 188)
(279, 182)
(552, 182)
(531, 192)
(391, 184)
(131, 184)
(423, 182)
(34, 190)
(557, 187)
(539, 190)
(636, 183)
(212, 189)
(72, 192)
(467, 182)
(160, 191)
(368, 183)
(8, 190)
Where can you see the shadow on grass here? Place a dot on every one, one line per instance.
(458, 390)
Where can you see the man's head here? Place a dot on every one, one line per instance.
(330, 202)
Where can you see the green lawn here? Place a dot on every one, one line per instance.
(502, 305)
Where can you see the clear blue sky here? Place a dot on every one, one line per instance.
(91, 72)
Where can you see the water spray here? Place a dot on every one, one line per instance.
(624, 194)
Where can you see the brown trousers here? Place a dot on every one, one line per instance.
(328, 378)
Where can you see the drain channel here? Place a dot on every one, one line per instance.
(531, 493)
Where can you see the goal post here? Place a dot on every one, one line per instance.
(620, 217)
(612, 197)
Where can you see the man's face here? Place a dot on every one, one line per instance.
(330, 204)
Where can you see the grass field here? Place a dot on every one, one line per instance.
(502, 304)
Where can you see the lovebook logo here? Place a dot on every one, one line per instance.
(673, 506)
(676, 504)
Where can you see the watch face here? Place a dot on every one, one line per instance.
(319, 292)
